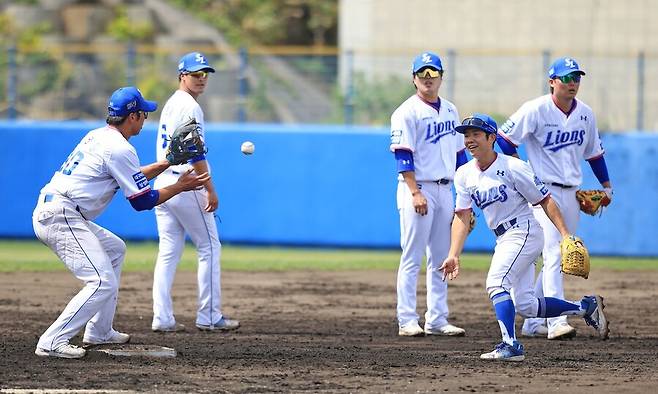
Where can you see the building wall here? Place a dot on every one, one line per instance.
(499, 47)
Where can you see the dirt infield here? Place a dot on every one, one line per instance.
(331, 332)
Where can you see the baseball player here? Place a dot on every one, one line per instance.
(189, 213)
(502, 186)
(559, 131)
(427, 150)
(80, 191)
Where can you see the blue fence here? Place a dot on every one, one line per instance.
(313, 185)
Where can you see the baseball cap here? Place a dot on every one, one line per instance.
(427, 59)
(478, 121)
(194, 61)
(564, 66)
(127, 100)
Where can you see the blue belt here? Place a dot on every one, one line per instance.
(500, 230)
(561, 185)
(443, 181)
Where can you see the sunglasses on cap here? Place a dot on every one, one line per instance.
(428, 73)
(573, 77)
(477, 122)
(198, 74)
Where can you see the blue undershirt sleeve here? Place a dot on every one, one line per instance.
(198, 158)
(505, 145)
(145, 201)
(405, 160)
(461, 158)
(600, 169)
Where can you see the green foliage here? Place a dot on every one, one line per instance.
(375, 100)
(257, 22)
(125, 30)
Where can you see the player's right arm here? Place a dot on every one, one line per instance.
(459, 229)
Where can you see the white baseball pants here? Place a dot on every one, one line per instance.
(180, 215)
(95, 256)
(427, 235)
(550, 282)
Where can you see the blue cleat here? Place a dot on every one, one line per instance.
(593, 306)
(505, 352)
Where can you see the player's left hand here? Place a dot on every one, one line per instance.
(213, 202)
(450, 268)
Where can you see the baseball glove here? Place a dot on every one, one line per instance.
(592, 201)
(186, 143)
(575, 257)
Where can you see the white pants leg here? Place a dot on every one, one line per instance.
(99, 328)
(550, 281)
(184, 214)
(420, 235)
(74, 241)
(437, 250)
(170, 250)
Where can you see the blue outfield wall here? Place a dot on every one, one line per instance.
(313, 185)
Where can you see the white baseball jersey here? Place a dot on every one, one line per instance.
(556, 143)
(180, 108)
(430, 135)
(102, 163)
(501, 191)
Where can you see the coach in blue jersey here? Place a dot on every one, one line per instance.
(427, 150)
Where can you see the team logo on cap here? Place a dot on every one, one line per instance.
(200, 59)
(570, 63)
(426, 58)
(131, 105)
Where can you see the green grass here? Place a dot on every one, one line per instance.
(34, 256)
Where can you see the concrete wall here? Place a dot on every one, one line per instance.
(498, 49)
(313, 185)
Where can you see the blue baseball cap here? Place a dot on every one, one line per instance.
(478, 121)
(127, 100)
(564, 66)
(427, 59)
(194, 61)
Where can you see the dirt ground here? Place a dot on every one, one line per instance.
(331, 332)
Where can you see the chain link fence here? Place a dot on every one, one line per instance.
(314, 84)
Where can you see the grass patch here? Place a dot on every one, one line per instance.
(34, 256)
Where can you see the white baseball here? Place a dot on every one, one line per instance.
(247, 147)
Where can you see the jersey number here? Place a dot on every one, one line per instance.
(73, 160)
(165, 137)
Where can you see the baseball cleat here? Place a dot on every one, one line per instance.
(540, 331)
(562, 331)
(115, 338)
(411, 329)
(594, 316)
(447, 330)
(63, 351)
(223, 324)
(505, 352)
(175, 328)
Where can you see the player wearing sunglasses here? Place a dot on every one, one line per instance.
(191, 214)
(427, 150)
(559, 131)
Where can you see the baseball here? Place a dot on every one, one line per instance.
(247, 147)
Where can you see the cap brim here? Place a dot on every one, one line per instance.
(581, 72)
(149, 106)
(199, 68)
(462, 129)
(433, 67)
